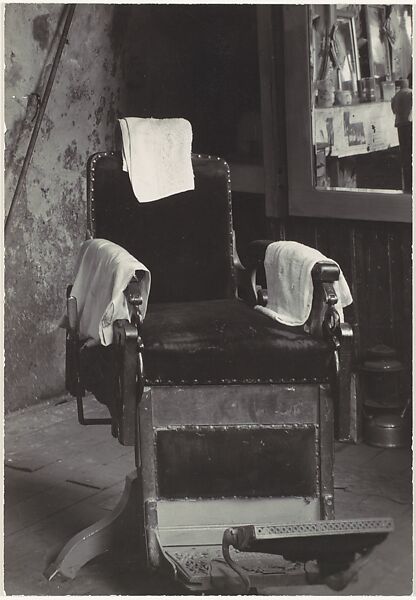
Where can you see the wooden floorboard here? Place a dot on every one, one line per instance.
(61, 477)
(42, 416)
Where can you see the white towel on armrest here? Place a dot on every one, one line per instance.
(157, 156)
(103, 271)
(288, 267)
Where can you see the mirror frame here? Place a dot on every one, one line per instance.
(304, 198)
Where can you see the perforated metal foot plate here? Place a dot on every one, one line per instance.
(318, 528)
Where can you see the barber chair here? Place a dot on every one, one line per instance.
(232, 415)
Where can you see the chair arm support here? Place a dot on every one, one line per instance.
(239, 270)
(72, 366)
(325, 322)
(250, 292)
(347, 414)
(257, 252)
(128, 347)
(128, 356)
(73, 379)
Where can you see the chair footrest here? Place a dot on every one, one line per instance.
(317, 528)
(331, 540)
(328, 552)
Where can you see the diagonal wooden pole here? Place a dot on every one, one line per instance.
(70, 8)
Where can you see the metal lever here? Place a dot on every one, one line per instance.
(231, 537)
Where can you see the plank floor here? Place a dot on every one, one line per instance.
(61, 477)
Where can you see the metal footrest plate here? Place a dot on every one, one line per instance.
(318, 528)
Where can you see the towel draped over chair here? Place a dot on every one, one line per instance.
(288, 267)
(103, 271)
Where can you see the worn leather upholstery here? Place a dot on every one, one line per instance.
(219, 341)
(184, 240)
(227, 341)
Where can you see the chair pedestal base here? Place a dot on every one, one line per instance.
(110, 532)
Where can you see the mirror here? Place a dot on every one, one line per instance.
(361, 98)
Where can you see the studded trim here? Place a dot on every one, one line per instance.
(242, 427)
(91, 224)
(91, 165)
(245, 381)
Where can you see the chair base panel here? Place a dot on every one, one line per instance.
(235, 404)
(196, 522)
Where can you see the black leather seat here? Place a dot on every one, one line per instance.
(226, 341)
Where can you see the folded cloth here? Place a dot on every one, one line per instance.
(157, 156)
(103, 270)
(288, 267)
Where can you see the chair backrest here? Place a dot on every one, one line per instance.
(185, 240)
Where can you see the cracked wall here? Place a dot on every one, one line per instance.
(49, 218)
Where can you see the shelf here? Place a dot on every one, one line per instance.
(356, 129)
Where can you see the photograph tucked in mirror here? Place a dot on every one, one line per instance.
(361, 86)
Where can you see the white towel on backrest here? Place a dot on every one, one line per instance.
(157, 156)
(288, 267)
(103, 271)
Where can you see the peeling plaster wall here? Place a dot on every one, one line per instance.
(49, 219)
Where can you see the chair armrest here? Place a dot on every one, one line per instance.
(134, 298)
(324, 274)
(324, 318)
